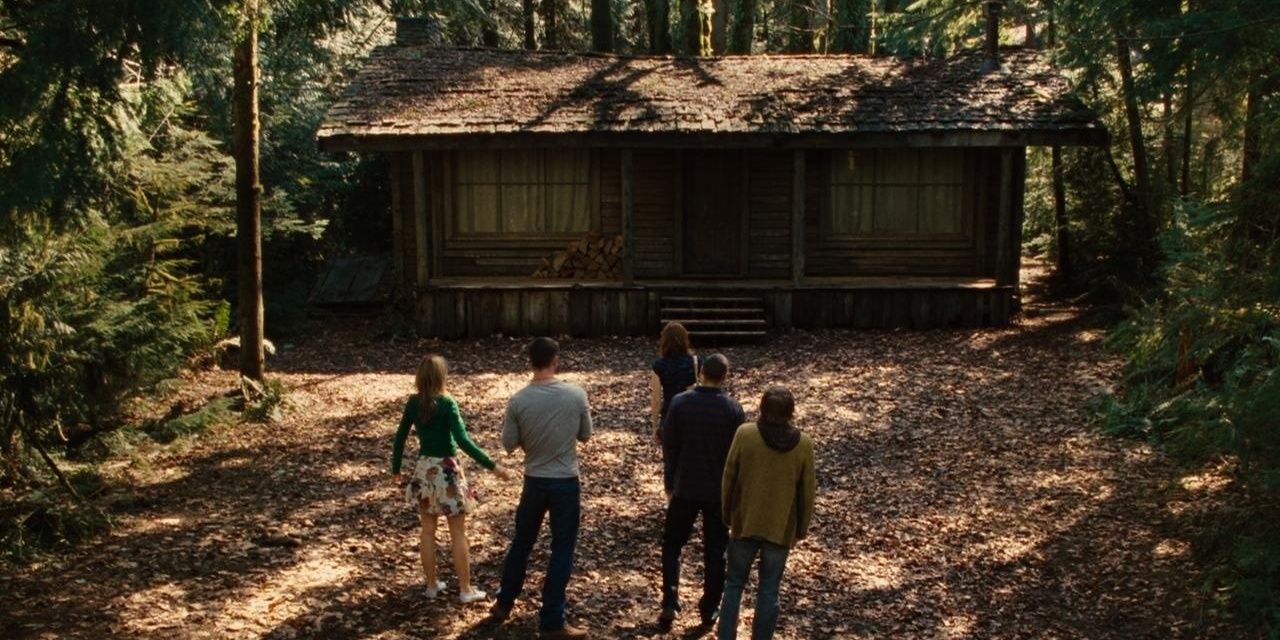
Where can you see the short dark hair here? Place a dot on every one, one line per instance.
(715, 367)
(542, 351)
(777, 406)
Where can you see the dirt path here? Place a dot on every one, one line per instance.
(961, 494)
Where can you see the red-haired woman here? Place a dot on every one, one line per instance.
(675, 370)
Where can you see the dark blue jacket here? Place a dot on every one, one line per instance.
(696, 434)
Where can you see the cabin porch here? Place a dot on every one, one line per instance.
(453, 308)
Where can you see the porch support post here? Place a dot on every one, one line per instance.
(420, 217)
(797, 217)
(1006, 253)
(628, 219)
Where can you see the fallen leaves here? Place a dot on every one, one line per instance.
(961, 494)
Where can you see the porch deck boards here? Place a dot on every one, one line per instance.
(819, 283)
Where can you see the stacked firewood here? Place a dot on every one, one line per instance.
(590, 257)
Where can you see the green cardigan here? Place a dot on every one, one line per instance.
(767, 494)
(436, 437)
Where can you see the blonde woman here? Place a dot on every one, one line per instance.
(438, 486)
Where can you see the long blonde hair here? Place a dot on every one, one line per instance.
(432, 372)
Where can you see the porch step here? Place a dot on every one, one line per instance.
(714, 317)
(712, 299)
(710, 311)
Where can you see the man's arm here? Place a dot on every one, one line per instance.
(730, 479)
(584, 420)
(807, 491)
(510, 428)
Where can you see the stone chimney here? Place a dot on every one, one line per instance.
(991, 47)
(419, 31)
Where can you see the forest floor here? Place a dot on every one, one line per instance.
(962, 494)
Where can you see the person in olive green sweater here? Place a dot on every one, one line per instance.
(438, 486)
(767, 497)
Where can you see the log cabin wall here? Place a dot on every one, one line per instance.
(769, 214)
(602, 308)
(656, 186)
(513, 255)
(827, 255)
(403, 242)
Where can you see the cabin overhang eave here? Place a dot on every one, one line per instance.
(356, 141)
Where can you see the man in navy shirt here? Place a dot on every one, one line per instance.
(696, 434)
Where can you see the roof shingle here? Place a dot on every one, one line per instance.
(426, 91)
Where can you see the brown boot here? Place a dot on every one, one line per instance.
(564, 632)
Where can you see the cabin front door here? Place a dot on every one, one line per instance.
(713, 196)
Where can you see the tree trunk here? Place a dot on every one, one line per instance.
(489, 30)
(602, 26)
(799, 36)
(719, 27)
(1168, 146)
(1251, 152)
(744, 26)
(550, 29)
(851, 28)
(530, 33)
(659, 26)
(1141, 171)
(690, 28)
(1060, 217)
(248, 195)
(1188, 109)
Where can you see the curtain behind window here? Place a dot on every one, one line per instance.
(522, 191)
(896, 192)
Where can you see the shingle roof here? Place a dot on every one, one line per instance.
(428, 92)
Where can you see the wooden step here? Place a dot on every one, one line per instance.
(690, 323)
(728, 334)
(694, 300)
(710, 310)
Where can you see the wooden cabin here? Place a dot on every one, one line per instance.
(570, 193)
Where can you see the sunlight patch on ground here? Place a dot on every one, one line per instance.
(153, 609)
(1210, 481)
(876, 571)
(959, 625)
(1170, 548)
(282, 595)
(353, 470)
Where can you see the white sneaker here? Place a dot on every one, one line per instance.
(432, 592)
(474, 595)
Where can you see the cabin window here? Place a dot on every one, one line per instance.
(519, 191)
(880, 193)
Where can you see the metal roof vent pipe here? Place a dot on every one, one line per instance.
(991, 47)
(419, 31)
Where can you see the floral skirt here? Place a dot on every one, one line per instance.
(440, 486)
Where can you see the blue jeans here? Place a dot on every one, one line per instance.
(742, 554)
(562, 497)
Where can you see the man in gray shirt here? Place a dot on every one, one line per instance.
(548, 418)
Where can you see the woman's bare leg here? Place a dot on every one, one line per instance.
(461, 551)
(427, 546)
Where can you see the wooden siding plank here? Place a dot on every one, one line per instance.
(397, 223)
(628, 218)
(797, 216)
(558, 313)
(420, 216)
(1006, 262)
